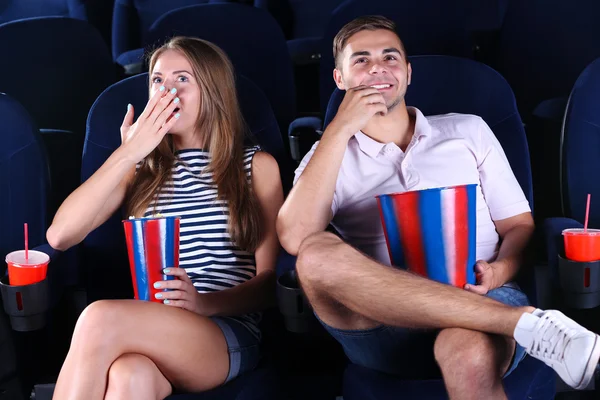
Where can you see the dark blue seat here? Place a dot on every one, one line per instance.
(24, 183)
(262, 56)
(425, 27)
(443, 84)
(367, 384)
(580, 155)
(56, 67)
(543, 47)
(303, 23)
(24, 180)
(132, 20)
(11, 10)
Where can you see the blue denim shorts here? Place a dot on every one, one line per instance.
(409, 352)
(243, 346)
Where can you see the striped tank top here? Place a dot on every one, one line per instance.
(206, 251)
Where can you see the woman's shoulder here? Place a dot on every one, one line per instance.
(250, 151)
(264, 163)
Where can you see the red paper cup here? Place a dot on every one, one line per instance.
(22, 271)
(581, 245)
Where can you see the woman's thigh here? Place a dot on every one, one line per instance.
(189, 350)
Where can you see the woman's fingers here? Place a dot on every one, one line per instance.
(163, 103)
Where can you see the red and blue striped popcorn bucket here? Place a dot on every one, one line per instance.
(432, 232)
(152, 245)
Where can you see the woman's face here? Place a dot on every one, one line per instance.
(173, 71)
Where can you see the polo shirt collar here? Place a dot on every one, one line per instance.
(372, 147)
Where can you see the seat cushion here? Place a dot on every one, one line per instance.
(260, 384)
(531, 380)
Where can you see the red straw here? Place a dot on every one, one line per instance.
(587, 213)
(26, 242)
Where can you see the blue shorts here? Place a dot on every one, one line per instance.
(409, 352)
(243, 346)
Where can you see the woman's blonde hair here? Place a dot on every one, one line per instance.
(221, 123)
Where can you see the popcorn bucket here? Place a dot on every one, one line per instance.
(152, 245)
(432, 232)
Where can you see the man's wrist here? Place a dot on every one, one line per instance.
(337, 129)
(500, 269)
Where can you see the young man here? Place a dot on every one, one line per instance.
(383, 316)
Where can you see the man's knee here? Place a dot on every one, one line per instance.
(135, 376)
(315, 256)
(467, 355)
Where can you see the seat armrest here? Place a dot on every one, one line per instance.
(303, 133)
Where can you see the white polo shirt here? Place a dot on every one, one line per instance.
(446, 150)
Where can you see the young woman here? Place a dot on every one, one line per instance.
(184, 156)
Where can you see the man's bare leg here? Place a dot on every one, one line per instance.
(466, 356)
(351, 291)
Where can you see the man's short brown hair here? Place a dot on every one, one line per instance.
(366, 23)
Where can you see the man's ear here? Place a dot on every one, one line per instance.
(339, 81)
(408, 74)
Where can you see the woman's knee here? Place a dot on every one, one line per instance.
(95, 325)
(136, 376)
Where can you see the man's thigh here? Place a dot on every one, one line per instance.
(396, 350)
(399, 351)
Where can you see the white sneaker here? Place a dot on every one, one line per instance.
(564, 345)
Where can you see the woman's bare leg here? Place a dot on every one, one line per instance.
(188, 349)
(134, 376)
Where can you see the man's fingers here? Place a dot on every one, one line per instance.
(479, 289)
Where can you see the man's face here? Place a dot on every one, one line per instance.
(375, 58)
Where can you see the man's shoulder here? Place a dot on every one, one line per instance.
(454, 119)
(455, 123)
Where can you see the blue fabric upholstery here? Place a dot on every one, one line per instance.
(580, 153)
(24, 180)
(425, 27)
(132, 20)
(305, 50)
(546, 41)
(444, 84)
(225, 25)
(529, 381)
(581, 146)
(11, 10)
(59, 66)
(303, 22)
(486, 15)
(260, 384)
(300, 18)
(135, 56)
